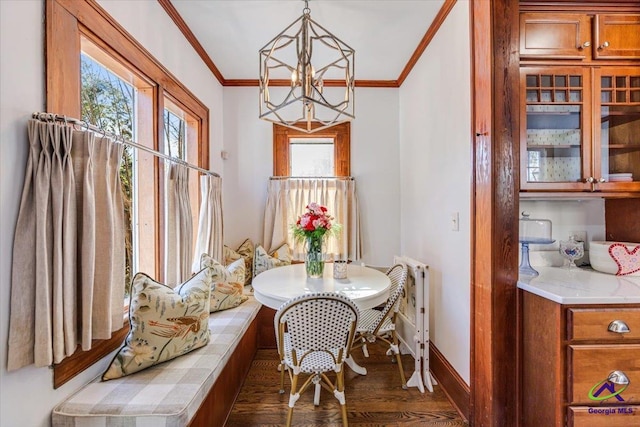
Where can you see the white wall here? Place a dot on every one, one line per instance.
(27, 395)
(435, 177)
(567, 217)
(374, 164)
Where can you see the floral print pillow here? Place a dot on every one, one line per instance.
(165, 323)
(263, 261)
(227, 286)
(245, 251)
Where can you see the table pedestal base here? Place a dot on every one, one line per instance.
(354, 366)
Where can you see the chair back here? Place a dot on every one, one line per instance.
(324, 321)
(398, 276)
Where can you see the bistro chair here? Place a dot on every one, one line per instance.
(379, 324)
(314, 335)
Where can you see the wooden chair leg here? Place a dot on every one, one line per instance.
(343, 403)
(292, 398)
(283, 368)
(399, 360)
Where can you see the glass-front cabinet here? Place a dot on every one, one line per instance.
(580, 129)
(555, 128)
(618, 132)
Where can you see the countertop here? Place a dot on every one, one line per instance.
(582, 286)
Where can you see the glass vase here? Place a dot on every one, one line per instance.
(314, 258)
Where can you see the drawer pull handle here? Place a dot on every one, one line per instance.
(619, 327)
(618, 377)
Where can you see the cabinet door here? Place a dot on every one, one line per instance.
(617, 37)
(617, 130)
(555, 35)
(555, 137)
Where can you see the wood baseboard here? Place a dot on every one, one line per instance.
(450, 381)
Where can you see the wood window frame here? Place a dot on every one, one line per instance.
(66, 21)
(341, 135)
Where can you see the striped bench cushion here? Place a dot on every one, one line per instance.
(168, 394)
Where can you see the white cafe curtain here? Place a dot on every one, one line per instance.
(179, 225)
(287, 199)
(209, 237)
(68, 243)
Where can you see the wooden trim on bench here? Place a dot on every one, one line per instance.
(266, 329)
(217, 406)
(454, 387)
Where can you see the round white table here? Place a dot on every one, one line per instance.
(365, 286)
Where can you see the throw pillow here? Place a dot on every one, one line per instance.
(165, 323)
(227, 285)
(263, 261)
(244, 251)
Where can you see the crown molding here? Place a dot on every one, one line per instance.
(431, 32)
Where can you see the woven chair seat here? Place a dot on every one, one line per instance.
(369, 322)
(316, 361)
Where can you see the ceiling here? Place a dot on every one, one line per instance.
(383, 33)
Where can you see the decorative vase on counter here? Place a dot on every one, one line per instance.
(314, 257)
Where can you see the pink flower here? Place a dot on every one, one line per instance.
(315, 221)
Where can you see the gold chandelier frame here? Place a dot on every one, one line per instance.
(306, 96)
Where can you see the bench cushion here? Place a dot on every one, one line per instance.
(168, 394)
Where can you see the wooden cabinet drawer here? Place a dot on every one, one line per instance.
(589, 367)
(603, 416)
(592, 324)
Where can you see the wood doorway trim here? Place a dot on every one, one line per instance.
(494, 315)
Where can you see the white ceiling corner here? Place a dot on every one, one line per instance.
(384, 33)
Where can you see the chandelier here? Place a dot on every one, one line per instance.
(306, 77)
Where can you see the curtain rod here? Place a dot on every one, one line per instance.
(347, 178)
(49, 117)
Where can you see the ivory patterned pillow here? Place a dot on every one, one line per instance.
(263, 261)
(227, 285)
(245, 251)
(165, 323)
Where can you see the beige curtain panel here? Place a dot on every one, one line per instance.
(209, 238)
(69, 226)
(286, 201)
(97, 160)
(179, 225)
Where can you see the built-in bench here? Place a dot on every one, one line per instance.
(197, 389)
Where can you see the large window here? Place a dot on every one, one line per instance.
(324, 153)
(96, 71)
(109, 102)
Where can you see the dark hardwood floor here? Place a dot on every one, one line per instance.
(376, 399)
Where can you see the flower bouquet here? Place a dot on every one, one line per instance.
(312, 228)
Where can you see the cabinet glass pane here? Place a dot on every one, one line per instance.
(554, 127)
(620, 128)
(620, 142)
(554, 140)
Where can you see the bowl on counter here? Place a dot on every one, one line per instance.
(628, 261)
